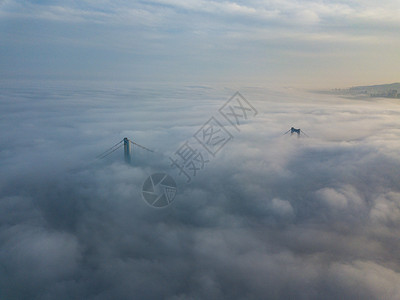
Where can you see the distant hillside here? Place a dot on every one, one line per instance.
(382, 90)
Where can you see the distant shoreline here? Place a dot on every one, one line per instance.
(371, 91)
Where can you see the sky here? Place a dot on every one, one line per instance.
(271, 216)
(304, 43)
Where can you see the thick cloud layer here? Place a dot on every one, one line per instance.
(270, 217)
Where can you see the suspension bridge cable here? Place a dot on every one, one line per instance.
(104, 153)
(141, 146)
(287, 132)
(110, 152)
(304, 133)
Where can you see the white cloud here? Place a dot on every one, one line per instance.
(369, 279)
(282, 207)
(265, 40)
(271, 216)
(344, 198)
(299, 12)
(386, 209)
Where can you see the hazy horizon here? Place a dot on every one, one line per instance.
(309, 43)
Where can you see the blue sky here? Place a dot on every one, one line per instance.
(300, 43)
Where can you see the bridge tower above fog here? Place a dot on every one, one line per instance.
(297, 131)
(128, 149)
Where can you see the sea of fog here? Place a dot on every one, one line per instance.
(269, 216)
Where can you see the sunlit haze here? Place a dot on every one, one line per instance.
(306, 43)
